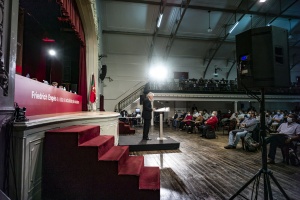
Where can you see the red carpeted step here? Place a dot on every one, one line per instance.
(104, 143)
(150, 178)
(116, 153)
(132, 166)
(85, 132)
(132, 131)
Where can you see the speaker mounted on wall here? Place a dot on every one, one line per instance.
(263, 58)
(103, 72)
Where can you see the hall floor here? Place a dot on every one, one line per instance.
(203, 169)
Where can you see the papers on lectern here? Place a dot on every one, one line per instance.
(164, 109)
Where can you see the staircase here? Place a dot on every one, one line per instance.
(125, 129)
(79, 163)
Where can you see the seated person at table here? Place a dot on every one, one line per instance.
(246, 126)
(286, 133)
(210, 123)
(186, 121)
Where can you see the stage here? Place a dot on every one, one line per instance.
(136, 143)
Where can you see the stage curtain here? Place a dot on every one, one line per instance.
(82, 86)
(70, 10)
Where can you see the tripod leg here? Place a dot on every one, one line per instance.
(278, 185)
(246, 184)
(267, 187)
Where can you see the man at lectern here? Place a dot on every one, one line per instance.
(147, 114)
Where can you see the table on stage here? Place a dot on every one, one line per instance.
(161, 111)
(130, 120)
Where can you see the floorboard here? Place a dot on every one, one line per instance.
(203, 169)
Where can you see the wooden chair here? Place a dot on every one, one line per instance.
(229, 126)
(285, 150)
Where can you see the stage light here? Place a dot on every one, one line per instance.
(52, 52)
(261, 1)
(158, 72)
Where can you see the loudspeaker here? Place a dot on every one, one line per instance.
(103, 72)
(263, 58)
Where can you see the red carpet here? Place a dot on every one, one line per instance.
(79, 163)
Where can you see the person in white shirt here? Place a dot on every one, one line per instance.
(287, 132)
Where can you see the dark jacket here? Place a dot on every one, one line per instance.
(147, 109)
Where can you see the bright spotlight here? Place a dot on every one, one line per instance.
(52, 52)
(158, 73)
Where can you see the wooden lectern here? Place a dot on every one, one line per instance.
(161, 111)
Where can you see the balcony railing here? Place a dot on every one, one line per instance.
(212, 86)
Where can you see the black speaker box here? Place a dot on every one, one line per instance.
(263, 58)
(103, 72)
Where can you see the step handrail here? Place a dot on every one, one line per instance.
(130, 98)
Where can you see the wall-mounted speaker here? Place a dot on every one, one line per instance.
(103, 72)
(263, 58)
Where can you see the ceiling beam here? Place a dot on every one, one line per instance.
(173, 35)
(166, 36)
(214, 9)
(161, 12)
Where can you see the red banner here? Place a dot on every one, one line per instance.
(40, 98)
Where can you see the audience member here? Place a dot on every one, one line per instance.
(286, 133)
(210, 123)
(246, 126)
(205, 115)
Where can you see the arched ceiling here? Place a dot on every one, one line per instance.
(129, 27)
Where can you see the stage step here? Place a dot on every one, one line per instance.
(104, 144)
(150, 178)
(133, 166)
(116, 153)
(79, 163)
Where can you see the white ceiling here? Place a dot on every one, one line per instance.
(129, 26)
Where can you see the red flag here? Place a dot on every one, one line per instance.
(93, 90)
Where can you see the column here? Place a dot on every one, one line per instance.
(235, 106)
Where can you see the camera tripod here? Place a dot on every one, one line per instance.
(264, 170)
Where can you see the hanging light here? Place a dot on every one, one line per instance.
(209, 29)
(290, 34)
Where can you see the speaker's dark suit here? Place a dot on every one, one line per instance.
(147, 116)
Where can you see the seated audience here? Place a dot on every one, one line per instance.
(174, 119)
(247, 125)
(198, 122)
(210, 123)
(277, 118)
(287, 133)
(205, 115)
(186, 121)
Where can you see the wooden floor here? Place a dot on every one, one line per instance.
(203, 169)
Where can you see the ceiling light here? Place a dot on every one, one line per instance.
(236, 23)
(290, 33)
(209, 29)
(261, 1)
(159, 20)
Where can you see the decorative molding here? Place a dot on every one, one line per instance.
(4, 78)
